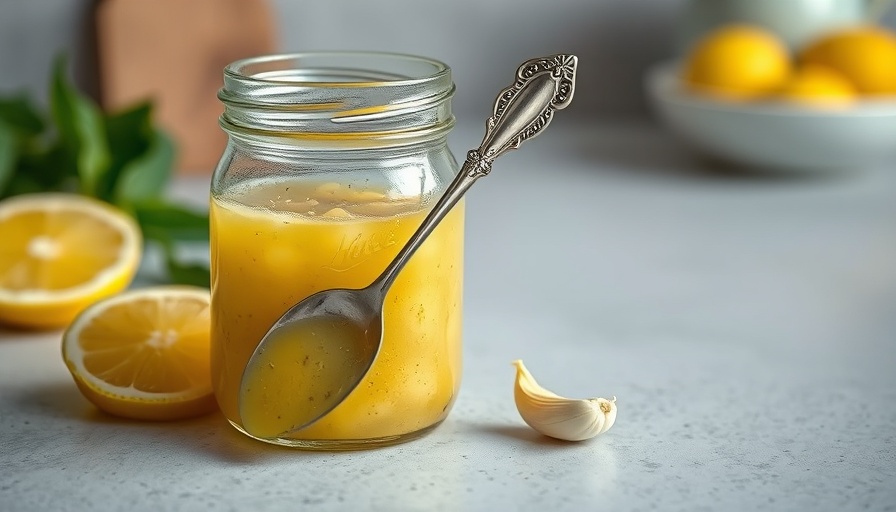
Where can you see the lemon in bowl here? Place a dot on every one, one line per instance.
(864, 54)
(737, 62)
(819, 87)
(780, 135)
(810, 112)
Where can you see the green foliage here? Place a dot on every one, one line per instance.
(170, 226)
(81, 133)
(118, 157)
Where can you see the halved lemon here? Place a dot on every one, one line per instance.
(59, 253)
(144, 354)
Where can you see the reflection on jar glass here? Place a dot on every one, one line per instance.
(333, 161)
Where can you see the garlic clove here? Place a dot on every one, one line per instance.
(558, 417)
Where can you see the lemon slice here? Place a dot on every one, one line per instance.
(59, 253)
(144, 354)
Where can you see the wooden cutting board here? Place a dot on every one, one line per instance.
(174, 52)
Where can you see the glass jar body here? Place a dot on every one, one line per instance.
(291, 216)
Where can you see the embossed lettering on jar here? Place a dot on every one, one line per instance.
(333, 161)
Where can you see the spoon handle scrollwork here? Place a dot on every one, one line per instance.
(522, 111)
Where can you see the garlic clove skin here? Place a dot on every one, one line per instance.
(562, 418)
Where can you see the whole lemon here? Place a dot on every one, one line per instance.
(738, 62)
(865, 55)
(818, 86)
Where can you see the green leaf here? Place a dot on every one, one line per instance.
(129, 130)
(130, 134)
(20, 127)
(81, 130)
(145, 177)
(8, 152)
(23, 184)
(184, 273)
(180, 272)
(21, 116)
(48, 166)
(163, 221)
(171, 225)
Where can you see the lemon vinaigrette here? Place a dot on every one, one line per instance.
(294, 377)
(333, 161)
(275, 243)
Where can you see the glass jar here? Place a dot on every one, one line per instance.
(333, 161)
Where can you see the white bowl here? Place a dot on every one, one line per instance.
(776, 135)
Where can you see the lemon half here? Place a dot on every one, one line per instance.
(60, 253)
(144, 354)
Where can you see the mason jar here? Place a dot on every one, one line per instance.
(333, 160)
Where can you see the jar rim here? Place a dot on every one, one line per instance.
(343, 94)
(241, 69)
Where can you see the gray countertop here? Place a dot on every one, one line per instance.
(746, 323)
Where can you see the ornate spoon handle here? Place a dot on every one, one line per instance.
(525, 109)
(521, 112)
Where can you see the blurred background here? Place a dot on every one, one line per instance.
(174, 50)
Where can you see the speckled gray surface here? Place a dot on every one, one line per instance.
(746, 323)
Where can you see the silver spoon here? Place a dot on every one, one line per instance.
(340, 330)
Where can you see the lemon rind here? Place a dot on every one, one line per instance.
(125, 265)
(73, 354)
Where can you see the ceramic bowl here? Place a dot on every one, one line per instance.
(775, 135)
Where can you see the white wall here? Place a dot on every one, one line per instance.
(483, 40)
(33, 32)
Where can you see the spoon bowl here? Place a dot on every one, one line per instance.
(310, 360)
(318, 352)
